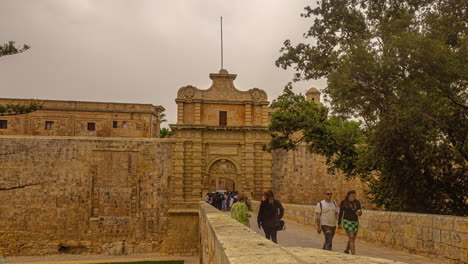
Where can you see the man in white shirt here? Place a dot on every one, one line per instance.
(326, 214)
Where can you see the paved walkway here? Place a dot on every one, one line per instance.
(298, 235)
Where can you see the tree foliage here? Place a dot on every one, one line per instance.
(162, 117)
(165, 132)
(401, 67)
(297, 120)
(10, 48)
(17, 109)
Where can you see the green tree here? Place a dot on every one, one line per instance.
(399, 66)
(16, 109)
(165, 132)
(10, 48)
(297, 120)
(162, 117)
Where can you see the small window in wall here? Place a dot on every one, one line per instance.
(124, 124)
(114, 124)
(91, 126)
(49, 125)
(222, 118)
(3, 124)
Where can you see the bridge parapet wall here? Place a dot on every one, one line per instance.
(436, 236)
(224, 240)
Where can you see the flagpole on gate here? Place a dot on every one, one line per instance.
(222, 43)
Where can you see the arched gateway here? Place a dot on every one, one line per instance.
(222, 175)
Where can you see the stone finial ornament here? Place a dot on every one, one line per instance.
(186, 92)
(258, 95)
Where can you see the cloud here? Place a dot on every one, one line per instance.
(144, 51)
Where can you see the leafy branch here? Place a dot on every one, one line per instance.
(10, 48)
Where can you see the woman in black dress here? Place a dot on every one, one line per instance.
(269, 215)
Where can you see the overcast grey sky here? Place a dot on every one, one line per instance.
(144, 51)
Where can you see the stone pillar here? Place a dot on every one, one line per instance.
(258, 180)
(197, 113)
(187, 179)
(248, 114)
(265, 121)
(249, 167)
(267, 171)
(180, 113)
(197, 170)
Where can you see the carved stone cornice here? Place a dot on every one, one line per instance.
(222, 89)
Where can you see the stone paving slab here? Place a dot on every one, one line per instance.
(298, 236)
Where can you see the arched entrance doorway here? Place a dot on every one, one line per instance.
(222, 175)
(222, 184)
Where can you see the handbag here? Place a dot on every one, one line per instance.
(282, 226)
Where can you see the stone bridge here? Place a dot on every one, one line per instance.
(439, 239)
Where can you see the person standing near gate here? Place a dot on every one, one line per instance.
(327, 213)
(269, 216)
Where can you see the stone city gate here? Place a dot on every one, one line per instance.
(218, 140)
(217, 144)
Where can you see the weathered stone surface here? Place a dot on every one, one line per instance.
(301, 177)
(97, 192)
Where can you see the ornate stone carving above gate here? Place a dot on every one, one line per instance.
(220, 170)
(223, 167)
(258, 95)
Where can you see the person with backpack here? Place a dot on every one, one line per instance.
(326, 214)
(269, 216)
(350, 210)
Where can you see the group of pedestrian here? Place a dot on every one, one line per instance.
(222, 201)
(328, 214)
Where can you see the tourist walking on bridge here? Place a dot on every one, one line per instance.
(350, 210)
(239, 210)
(269, 216)
(326, 213)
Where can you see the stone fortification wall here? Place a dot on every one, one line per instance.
(224, 240)
(301, 177)
(96, 195)
(441, 236)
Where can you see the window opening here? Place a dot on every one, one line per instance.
(49, 125)
(91, 126)
(222, 118)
